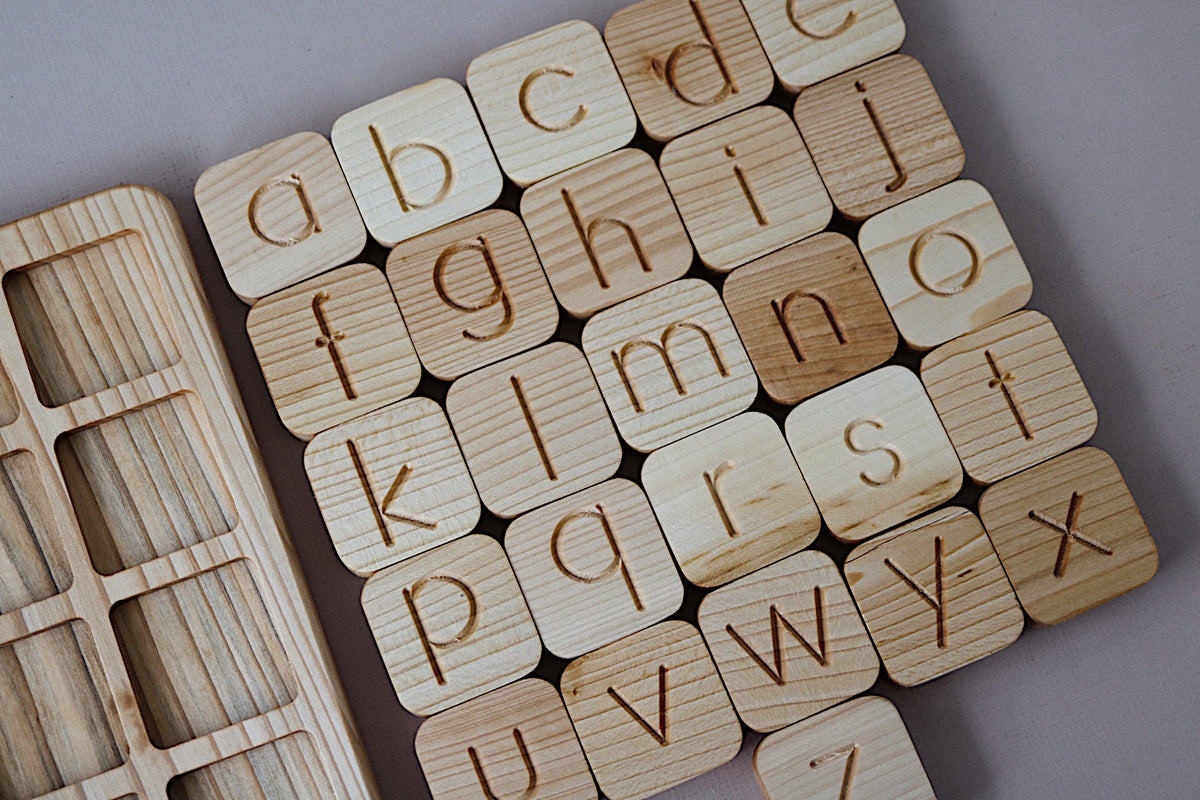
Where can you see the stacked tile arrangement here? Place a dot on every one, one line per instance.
(714, 304)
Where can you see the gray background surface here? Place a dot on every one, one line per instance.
(1079, 115)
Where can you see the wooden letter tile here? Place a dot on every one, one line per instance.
(417, 159)
(945, 263)
(811, 40)
(879, 135)
(873, 452)
(391, 484)
(472, 292)
(551, 101)
(810, 317)
(515, 742)
(745, 186)
(533, 429)
(606, 231)
(280, 214)
(669, 363)
(1069, 535)
(934, 596)
(730, 499)
(594, 567)
(333, 348)
(451, 624)
(688, 62)
(859, 750)
(788, 641)
(650, 711)
(1009, 396)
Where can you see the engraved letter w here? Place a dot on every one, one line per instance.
(780, 623)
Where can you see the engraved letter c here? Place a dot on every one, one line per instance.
(802, 24)
(536, 119)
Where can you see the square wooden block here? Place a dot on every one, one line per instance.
(451, 624)
(934, 596)
(873, 452)
(1009, 396)
(945, 263)
(279, 214)
(472, 292)
(551, 101)
(1069, 534)
(879, 136)
(514, 742)
(669, 363)
(533, 429)
(593, 567)
(811, 40)
(650, 711)
(810, 317)
(333, 348)
(859, 750)
(730, 499)
(606, 231)
(417, 159)
(788, 641)
(391, 484)
(745, 186)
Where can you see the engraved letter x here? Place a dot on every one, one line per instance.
(1070, 533)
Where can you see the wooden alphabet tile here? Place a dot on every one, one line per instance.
(859, 750)
(686, 63)
(606, 231)
(934, 596)
(873, 453)
(788, 641)
(745, 186)
(417, 159)
(391, 484)
(945, 263)
(533, 429)
(879, 135)
(451, 624)
(551, 101)
(1069, 534)
(650, 711)
(730, 499)
(593, 567)
(279, 214)
(516, 741)
(810, 317)
(811, 40)
(472, 292)
(333, 348)
(669, 363)
(1009, 396)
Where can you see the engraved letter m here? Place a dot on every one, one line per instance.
(663, 348)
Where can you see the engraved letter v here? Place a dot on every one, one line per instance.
(660, 734)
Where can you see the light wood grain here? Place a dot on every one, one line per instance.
(879, 135)
(594, 567)
(514, 742)
(745, 186)
(650, 711)
(788, 641)
(472, 292)
(416, 159)
(934, 596)
(606, 231)
(859, 750)
(730, 499)
(263, 773)
(810, 317)
(873, 453)
(1069, 534)
(551, 101)
(945, 263)
(1009, 396)
(686, 63)
(32, 563)
(669, 363)
(279, 214)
